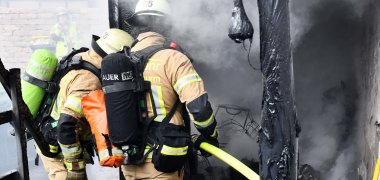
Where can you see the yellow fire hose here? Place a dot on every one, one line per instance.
(377, 170)
(230, 160)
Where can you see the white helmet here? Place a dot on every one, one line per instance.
(152, 7)
(114, 40)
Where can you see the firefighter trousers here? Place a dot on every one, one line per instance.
(54, 167)
(147, 171)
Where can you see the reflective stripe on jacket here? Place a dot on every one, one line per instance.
(169, 72)
(74, 85)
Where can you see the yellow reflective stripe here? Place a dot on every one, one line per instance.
(150, 155)
(53, 149)
(115, 152)
(71, 150)
(174, 151)
(206, 123)
(159, 102)
(190, 78)
(214, 133)
(80, 165)
(74, 104)
(55, 113)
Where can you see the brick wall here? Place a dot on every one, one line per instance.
(18, 25)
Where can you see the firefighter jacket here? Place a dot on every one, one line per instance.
(66, 38)
(170, 73)
(73, 86)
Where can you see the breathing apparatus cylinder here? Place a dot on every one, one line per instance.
(121, 101)
(39, 70)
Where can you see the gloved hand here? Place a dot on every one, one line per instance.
(75, 169)
(50, 135)
(198, 139)
(76, 175)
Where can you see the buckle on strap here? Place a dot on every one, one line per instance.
(76, 62)
(51, 87)
(136, 57)
(152, 147)
(45, 85)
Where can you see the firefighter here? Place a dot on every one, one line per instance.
(67, 118)
(64, 34)
(170, 73)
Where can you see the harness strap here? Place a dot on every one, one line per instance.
(108, 143)
(78, 63)
(168, 117)
(144, 55)
(46, 85)
(118, 87)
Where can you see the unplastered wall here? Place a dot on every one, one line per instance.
(369, 81)
(18, 25)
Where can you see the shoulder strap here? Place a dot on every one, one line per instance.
(169, 116)
(144, 54)
(148, 52)
(64, 63)
(78, 63)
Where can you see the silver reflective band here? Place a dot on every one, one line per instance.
(68, 151)
(43, 70)
(159, 103)
(115, 152)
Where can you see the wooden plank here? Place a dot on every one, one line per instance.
(11, 175)
(3, 77)
(22, 157)
(5, 117)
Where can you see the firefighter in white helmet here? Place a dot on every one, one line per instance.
(173, 78)
(67, 129)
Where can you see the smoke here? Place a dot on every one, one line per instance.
(301, 12)
(327, 39)
(202, 30)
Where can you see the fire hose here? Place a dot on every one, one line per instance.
(376, 172)
(230, 160)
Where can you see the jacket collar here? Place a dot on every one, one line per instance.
(147, 39)
(92, 57)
